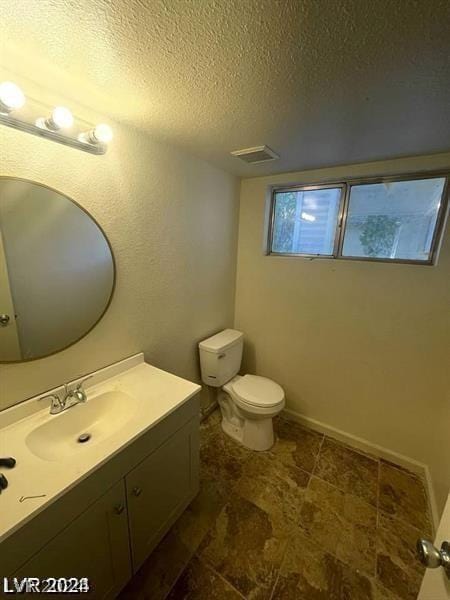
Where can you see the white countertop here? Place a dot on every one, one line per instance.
(157, 394)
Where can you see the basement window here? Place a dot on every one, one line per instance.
(306, 220)
(397, 219)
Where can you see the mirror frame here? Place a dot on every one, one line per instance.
(113, 289)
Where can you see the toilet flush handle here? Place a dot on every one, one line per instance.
(221, 355)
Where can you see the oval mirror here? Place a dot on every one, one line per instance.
(57, 271)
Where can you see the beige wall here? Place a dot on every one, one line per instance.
(172, 223)
(362, 347)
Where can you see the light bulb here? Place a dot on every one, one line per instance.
(11, 96)
(61, 118)
(102, 134)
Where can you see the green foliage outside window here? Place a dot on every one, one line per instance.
(285, 216)
(378, 235)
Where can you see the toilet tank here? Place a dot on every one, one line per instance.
(220, 357)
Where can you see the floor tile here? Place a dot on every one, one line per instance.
(276, 488)
(341, 524)
(157, 575)
(381, 593)
(209, 426)
(397, 580)
(348, 470)
(397, 557)
(254, 508)
(357, 544)
(222, 459)
(310, 573)
(403, 495)
(201, 514)
(322, 514)
(399, 467)
(398, 540)
(199, 582)
(244, 548)
(295, 445)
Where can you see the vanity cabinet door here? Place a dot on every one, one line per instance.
(95, 545)
(160, 488)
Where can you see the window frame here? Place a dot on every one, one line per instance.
(346, 184)
(308, 188)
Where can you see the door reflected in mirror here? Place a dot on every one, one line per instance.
(57, 271)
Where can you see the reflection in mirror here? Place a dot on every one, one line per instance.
(56, 271)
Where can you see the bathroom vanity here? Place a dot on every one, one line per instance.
(97, 509)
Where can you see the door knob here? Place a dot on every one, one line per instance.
(137, 491)
(4, 320)
(433, 558)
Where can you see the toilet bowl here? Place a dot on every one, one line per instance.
(248, 403)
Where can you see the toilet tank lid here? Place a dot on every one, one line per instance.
(221, 341)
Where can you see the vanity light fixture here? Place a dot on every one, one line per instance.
(60, 126)
(11, 97)
(101, 134)
(61, 118)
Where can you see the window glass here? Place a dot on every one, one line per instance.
(305, 221)
(394, 220)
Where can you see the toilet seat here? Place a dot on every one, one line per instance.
(261, 392)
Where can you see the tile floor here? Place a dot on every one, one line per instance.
(311, 519)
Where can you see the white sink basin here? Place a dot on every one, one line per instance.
(127, 399)
(100, 417)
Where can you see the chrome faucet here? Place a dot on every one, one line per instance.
(75, 396)
(70, 398)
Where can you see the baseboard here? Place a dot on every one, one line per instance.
(432, 498)
(411, 464)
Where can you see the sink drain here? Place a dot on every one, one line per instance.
(84, 437)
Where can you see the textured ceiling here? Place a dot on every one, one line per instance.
(321, 81)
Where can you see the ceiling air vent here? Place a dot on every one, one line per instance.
(258, 154)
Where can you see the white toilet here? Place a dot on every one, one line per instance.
(248, 403)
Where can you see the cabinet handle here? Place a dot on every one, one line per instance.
(119, 508)
(137, 491)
